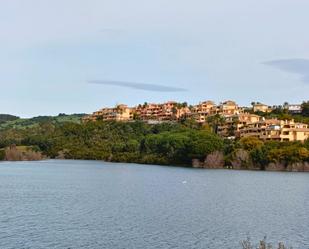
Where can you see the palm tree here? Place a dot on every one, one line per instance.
(285, 105)
(215, 121)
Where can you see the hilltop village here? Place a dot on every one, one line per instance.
(227, 119)
(206, 135)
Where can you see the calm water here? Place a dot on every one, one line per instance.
(82, 204)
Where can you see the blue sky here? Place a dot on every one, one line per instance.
(245, 50)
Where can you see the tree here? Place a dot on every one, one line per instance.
(305, 108)
(241, 159)
(2, 154)
(184, 104)
(174, 110)
(136, 116)
(171, 146)
(250, 143)
(259, 157)
(306, 144)
(215, 121)
(233, 126)
(202, 143)
(286, 105)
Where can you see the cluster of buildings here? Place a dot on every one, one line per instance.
(291, 108)
(169, 111)
(117, 113)
(235, 121)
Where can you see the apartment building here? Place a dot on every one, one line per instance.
(148, 111)
(228, 108)
(167, 111)
(295, 108)
(279, 130)
(172, 110)
(233, 123)
(118, 113)
(208, 108)
(259, 107)
(256, 129)
(204, 109)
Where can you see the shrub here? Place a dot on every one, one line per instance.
(241, 159)
(250, 143)
(12, 153)
(246, 244)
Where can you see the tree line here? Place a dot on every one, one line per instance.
(166, 144)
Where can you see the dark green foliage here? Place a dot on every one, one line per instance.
(166, 143)
(305, 109)
(259, 157)
(306, 144)
(2, 154)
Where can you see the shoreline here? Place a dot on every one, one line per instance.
(289, 169)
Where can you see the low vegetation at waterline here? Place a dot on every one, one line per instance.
(166, 143)
(20, 153)
(246, 244)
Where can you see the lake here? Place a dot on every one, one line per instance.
(94, 204)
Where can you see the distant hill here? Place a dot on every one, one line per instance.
(7, 117)
(9, 121)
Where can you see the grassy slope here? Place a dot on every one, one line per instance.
(23, 123)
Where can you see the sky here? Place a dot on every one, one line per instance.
(76, 56)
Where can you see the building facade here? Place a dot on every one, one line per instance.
(118, 113)
(295, 108)
(259, 107)
(278, 130)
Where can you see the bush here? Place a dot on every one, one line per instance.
(250, 143)
(259, 157)
(12, 153)
(289, 154)
(241, 159)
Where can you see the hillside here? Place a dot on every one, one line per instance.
(10, 122)
(7, 117)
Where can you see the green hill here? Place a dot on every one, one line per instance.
(7, 117)
(13, 122)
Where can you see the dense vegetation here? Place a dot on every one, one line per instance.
(167, 143)
(115, 141)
